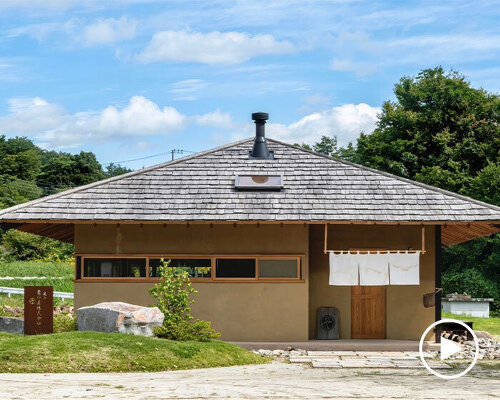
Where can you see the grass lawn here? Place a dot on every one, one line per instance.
(105, 352)
(490, 325)
(58, 275)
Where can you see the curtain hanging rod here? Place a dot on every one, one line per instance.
(371, 251)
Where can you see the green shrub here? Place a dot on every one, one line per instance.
(187, 330)
(26, 246)
(473, 282)
(172, 294)
(65, 323)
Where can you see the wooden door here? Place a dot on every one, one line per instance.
(368, 312)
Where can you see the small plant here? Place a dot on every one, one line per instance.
(173, 296)
(65, 323)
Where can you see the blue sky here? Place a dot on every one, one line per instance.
(133, 78)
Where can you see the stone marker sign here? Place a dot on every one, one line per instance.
(38, 310)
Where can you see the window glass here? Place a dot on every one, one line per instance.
(235, 268)
(115, 267)
(278, 268)
(195, 267)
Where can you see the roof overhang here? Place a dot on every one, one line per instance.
(459, 233)
(451, 232)
(64, 232)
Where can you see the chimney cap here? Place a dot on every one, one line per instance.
(260, 116)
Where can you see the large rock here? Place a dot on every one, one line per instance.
(12, 325)
(119, 317)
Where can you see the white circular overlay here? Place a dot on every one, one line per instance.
(420, 348)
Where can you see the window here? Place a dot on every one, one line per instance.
(195, 267)
(208, 268)
(269, 268)
(114, 267)
(258, 182)
(235, 268)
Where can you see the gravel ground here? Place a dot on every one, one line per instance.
(271, 381)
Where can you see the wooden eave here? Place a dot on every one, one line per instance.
(451, 233)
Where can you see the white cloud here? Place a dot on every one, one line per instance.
(345, 122)
(359, 69)
(187, 89)
(43, 31)
(140, 117)
(110, 30)
(52, 126)
(210, 48)
(27, 114)
(77, 31)
(216, 119)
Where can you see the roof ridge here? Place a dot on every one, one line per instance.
(388, 174)
(119, 177)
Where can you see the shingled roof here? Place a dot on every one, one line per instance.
(201, 188)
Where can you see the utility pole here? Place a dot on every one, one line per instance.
(176, 151)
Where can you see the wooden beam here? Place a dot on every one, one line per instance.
(437, 280)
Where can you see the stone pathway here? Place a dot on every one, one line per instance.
(365, 359)
(276, 381)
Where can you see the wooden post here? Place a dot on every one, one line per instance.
(423, 239)
(437, 279)
(326, 238)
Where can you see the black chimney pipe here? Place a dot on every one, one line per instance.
(260, 150)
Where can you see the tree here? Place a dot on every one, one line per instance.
(15, 191)
(445, 133)
(329, 146)
(25, 165)
(173, 296)
(68, 170)
(115, 170)
(440, 131)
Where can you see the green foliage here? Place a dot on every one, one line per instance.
(484, 186)
(329, 146)
(173, 296)
(65, 323)
(439, 131)
(115, 169)
(15, 191)
(58, 275)
(479, 259)
(172, 293)
(69, 170)
(26, 173)
(24, 166)
(473, 282)
(37, 268)
(187, 330)
(59, 285)
(26, 246)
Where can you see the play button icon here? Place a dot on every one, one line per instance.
(448, 348)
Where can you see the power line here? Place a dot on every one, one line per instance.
(171, 152)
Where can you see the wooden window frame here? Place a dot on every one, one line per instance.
(299, 268)
(127, 279)
(212, 279)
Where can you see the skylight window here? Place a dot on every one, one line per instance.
(258, 182)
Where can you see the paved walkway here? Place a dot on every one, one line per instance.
(271, 381)
(343, 344)
(365, 359)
